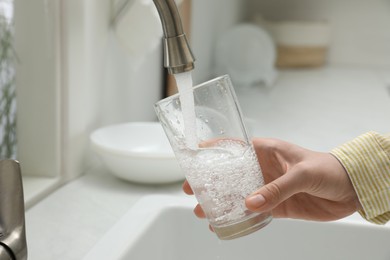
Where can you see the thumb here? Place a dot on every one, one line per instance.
(272, 194)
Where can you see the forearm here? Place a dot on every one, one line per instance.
(367, 162)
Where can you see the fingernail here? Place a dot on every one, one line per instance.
(256, 201)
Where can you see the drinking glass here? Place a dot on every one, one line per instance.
(222, 168)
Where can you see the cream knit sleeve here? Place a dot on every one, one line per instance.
(367, 162)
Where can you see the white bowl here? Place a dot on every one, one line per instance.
(137, 152)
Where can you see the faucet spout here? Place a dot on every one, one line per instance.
(178, 56)
(12, 224)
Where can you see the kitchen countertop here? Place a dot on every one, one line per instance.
(318, 109)
(68, 223)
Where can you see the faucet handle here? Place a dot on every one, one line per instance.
(13, 243)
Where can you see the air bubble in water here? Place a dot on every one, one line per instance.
(230, 173)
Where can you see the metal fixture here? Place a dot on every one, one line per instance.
(13, 245)
(178, 56)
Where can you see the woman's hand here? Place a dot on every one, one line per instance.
(300, 184)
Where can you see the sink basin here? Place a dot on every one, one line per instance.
(165, 228)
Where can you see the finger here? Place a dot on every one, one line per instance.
(211, 228)
(187, 188)
(215, 142)
(271, 195)
(199, 212)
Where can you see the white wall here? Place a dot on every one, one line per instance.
(103, 86)
(360, 28)
(72, 78)
(37, 87)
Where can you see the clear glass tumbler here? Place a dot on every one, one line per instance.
(223, 168)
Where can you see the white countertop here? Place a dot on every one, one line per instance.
(70, 221)
(318, 109)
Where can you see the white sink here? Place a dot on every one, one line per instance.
(165, 228)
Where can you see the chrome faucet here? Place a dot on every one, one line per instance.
(178, 56)
(13, 245)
